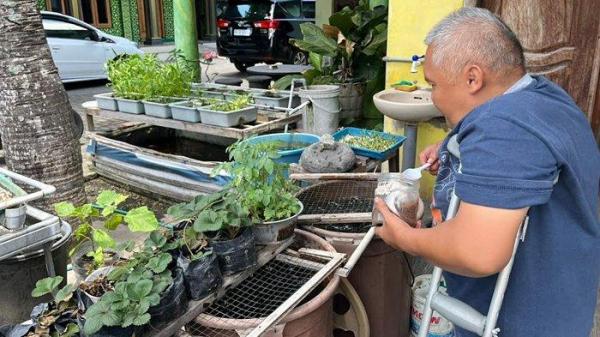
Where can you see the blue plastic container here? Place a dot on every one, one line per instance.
(383, 155)
(287, 156)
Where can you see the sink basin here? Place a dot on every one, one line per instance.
(415, 106)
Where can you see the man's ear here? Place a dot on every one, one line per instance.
(474, 78)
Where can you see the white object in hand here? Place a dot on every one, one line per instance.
(415, 173)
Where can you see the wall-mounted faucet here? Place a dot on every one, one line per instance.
(416, 61)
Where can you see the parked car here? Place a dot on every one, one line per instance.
(253, 31)
(79, 50)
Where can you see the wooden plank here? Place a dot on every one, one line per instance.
(136, 149)
(195, 308)
(227, 132)
(334, 218)
(335, 176)
(154, 175)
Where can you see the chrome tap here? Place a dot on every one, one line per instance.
(416, 61)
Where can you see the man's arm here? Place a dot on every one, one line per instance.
(477, 242)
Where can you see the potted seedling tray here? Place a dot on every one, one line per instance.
(235, 93)
(212, 93)
(271, 99)
(228, 118)
(186, 111)
(369, 143)
(130, 106)
(106, 101)
(159, 107)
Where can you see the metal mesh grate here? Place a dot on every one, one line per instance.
(338, 197)
(360, 227)
(254, 298)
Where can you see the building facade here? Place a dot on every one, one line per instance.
(145, 21)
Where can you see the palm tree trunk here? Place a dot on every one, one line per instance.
(36, 119)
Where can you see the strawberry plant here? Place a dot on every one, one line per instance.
(104, 211)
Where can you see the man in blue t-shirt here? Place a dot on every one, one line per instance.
(525, 149)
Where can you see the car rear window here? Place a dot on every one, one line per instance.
(287, 9)
(244, 9)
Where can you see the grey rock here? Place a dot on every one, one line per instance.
(328, 156)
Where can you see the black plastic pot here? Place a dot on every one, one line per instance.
(235, 255)
(173, 302)
(202, 277)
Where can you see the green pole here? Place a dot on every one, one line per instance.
(186, 36)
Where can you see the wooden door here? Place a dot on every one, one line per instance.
(141, 9)
(561, 39)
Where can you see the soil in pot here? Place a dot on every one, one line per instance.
(235, 255)
(173, 302)
(202, 276)
(89, 292)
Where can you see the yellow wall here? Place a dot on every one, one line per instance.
(408, 23)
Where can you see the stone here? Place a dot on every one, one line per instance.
(328, 156)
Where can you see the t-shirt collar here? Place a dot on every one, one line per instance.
(520, 84)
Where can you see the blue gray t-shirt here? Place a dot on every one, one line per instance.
(513, 148)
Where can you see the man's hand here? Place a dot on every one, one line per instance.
(430, 155)
(392, 225)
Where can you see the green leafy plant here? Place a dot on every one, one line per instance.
(139, 219)
(260, 180)
(350, 49)
(62, 305)
(146, 78)
(138, 285)
(235, 104)
(133, 77)
(219, 212)
(369, 141)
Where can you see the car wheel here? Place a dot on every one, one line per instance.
(241, 66)
(299, 57)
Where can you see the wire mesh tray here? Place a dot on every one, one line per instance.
(340, 201)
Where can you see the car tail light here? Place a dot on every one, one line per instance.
(222, 23)
(266, 24)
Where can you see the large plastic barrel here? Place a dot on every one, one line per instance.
(19, 274)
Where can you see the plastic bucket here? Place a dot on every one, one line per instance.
(439, 326)
(19, 274)
(287, 156)
(351, 99)
(322, 116)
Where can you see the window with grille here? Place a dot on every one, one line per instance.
(96, 13)
(59, 6)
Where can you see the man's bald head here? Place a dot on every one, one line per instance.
(475, 36)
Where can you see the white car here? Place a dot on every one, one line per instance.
(79, 50)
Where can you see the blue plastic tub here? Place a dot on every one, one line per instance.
(287, 156)
(383, 155)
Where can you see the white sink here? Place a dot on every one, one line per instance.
(415, 106)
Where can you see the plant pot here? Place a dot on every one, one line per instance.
(272, 102)
(322, 116)
(275, 232)
(85, 298)
(106, 101)
(213, 93)
(351, 99)
(130, 106)
(81, 263)
(155, 109)
(173, 302)
(235, 255)
(13, 218)
(230, 118)
(185, 111)
(202, 276)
